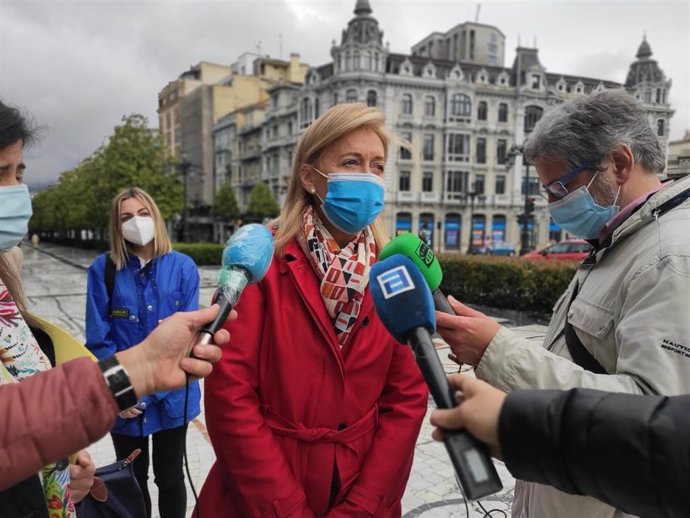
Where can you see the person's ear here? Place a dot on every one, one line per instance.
(306, 176)
(623, 163)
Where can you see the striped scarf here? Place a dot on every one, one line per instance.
(344, 273)
(22, 357)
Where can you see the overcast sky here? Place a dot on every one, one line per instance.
(79, 66)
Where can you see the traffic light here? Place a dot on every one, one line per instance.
(529, 206)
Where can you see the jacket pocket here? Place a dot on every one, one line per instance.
(593, 320)
(172, 303)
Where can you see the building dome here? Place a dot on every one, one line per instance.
(645, 69)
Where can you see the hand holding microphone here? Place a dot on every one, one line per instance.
(246, 259)
(405, 306)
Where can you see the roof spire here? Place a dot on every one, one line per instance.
(362, 8)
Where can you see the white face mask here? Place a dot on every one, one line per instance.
(138, 230)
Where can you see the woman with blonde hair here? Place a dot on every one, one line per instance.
(130, 289)
(314, 409)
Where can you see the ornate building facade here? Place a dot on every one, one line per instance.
(456, 113)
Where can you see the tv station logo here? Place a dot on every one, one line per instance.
(394, 282)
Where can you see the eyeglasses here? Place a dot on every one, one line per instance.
(558, 188)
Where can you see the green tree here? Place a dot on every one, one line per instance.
(225, 203)
(262, 204)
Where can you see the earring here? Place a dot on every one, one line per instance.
(313, 190)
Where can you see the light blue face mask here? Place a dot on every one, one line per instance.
(15, 211)
(578, 213)
(353, 200)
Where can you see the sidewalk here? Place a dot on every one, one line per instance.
(55, 284)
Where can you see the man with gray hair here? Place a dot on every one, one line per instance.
(623, 325)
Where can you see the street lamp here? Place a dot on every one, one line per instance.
(472, 193)
(514, 151)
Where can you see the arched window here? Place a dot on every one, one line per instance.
(482, 111)
(452, 231)
(348, 61)
(406, 104)
(460, 105)
(355, 61)
(351, 96)
(403, 223)
(503, 112)
(367, 61)
(660, 128)
(429, 106)
(371, 98)
(532, 116)
(376, 62)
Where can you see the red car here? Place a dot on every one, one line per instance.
(572, 249)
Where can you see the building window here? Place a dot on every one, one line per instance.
(503, 112)
(648, 96)
(453, 227)
(458, 147)
(428, 150)
(351, 96)
(367, 60)
(427, 181)
(500, 184)
(536, 82)
(405, 153)
(404, 181)
(355, 61)
(534, 186)
(406, 104)
(316, 107)
(660, 128)
(532, 116)
(479, 181)
(482, 111)
(658, 95)
(403, 223)
(481, 151)
(371, 98)
(460, 105)
(456, 181)
(429, 106)
(498, 229)
(501, 149)
(335, 98)
(348, 61)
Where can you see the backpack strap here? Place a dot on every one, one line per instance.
(109, 277)
(578, 351)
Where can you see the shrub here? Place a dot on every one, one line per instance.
(202, 253)
(504, 282)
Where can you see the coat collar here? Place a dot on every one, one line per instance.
(307, 284)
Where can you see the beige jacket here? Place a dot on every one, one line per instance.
(632, 313)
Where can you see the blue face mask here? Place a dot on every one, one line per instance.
(579, 214)
(353, 200)
(15, 211)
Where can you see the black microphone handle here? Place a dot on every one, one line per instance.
(207, 332)
(441, 303)
(470, 457)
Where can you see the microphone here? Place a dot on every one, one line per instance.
(405, 306)
(246, 258)
(422, 256)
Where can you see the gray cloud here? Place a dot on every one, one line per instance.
(79, 66)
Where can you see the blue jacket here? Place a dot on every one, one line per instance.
(143, 297)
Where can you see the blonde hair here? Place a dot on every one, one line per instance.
(10, 274)
(338, 121)
(119, 252)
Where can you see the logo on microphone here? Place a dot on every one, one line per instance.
(425, 254)
(395, 281)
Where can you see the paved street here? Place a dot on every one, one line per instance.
(55, 283)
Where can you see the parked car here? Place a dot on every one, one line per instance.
(573, 249)
(502, 248)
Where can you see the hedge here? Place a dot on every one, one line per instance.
(203, 253)
(504, 282)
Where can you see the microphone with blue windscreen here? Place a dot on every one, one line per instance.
(246, 258)
(405, 305)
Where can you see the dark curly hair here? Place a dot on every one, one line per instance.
(13, 127)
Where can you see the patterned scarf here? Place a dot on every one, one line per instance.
(22, 357)
(344, 273)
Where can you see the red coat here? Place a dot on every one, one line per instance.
(286, 408)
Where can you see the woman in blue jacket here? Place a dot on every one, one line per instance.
(130, 289)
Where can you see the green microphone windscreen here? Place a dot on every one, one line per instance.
(420, 253)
